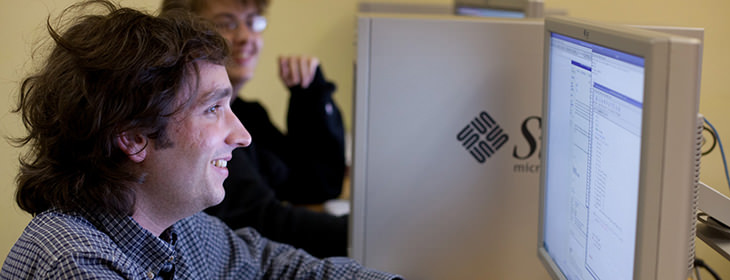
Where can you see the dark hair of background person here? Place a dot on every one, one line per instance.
(196, 6)
(94, 85)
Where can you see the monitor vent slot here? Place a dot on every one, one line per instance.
(695, 190)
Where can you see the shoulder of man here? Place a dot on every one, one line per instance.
(58, 243)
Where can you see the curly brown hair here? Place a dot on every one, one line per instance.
(196, 6)
(115, 71)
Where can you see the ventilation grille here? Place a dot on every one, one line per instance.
(695, 190)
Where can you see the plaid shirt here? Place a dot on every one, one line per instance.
(58, 245)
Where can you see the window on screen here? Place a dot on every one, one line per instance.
(596, 108)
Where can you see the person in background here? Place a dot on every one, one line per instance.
(130, 130)
(304, 166)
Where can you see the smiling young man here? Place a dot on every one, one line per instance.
(130, 130)
(196, 149)
(304, 166)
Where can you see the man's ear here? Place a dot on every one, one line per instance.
(133, 144)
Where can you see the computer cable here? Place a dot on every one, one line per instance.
(699, 263)
(714, 140)
(722, 151)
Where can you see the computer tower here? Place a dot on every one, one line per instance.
(446, 146)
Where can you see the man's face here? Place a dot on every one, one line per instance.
(187, 176)
(234, 21)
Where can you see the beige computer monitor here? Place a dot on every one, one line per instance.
(618, 183)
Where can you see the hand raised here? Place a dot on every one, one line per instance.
(297, 70)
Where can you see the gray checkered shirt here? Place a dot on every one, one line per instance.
(58, 245)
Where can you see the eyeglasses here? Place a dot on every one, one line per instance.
(255, 24)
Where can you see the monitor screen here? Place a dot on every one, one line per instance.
(608, 170)
(600, 112)
(500, 8)
(489, 12)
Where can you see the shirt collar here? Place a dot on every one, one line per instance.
(137, 243)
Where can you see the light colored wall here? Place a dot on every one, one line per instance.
(325, 28)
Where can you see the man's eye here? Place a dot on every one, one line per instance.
(214, 109)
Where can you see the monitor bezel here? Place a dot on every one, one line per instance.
(654, 47)
(529, 8)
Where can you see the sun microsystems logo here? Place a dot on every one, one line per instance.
(482, 137)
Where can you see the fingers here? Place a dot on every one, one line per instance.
(285, 72)
(308, 70)
(295, 75)
(289, 71)
(297, 70)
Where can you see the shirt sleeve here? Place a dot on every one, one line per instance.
(280, 261)
(55, 246)
(315, 150)
(209, 250)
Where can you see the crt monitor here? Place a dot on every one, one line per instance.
(620, 122)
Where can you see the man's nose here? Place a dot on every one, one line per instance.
(238, 136)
